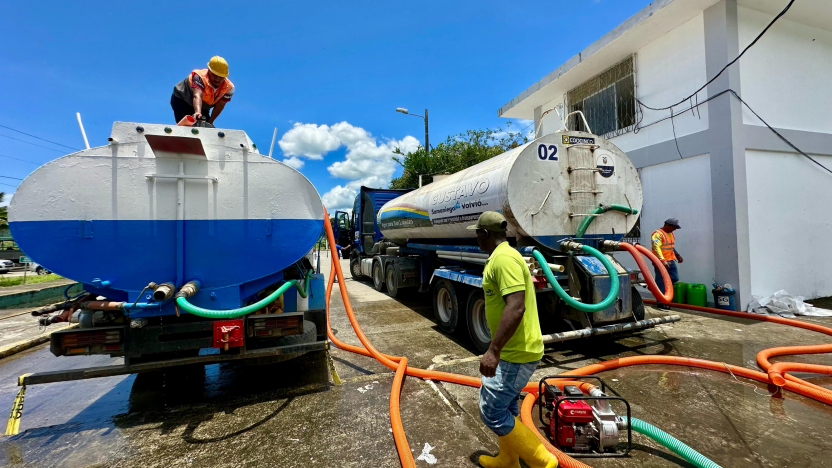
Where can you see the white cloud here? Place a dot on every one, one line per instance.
(308, 140)
(294, 161)
(367, 162)
(342, 197)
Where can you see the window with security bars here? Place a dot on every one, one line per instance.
(608, 101)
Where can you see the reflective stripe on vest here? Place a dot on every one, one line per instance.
(668, 242)
(211, 95)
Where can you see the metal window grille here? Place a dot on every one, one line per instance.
(608, 101)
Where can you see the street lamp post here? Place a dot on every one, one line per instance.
(427, 136)
(425, 117)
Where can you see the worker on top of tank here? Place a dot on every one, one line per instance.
(515, 350)
(203, 90)
(664, 247)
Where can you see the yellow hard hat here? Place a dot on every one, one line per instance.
(218, 66)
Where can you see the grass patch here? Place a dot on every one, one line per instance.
(30, 279)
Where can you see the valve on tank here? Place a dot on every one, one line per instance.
(580, 424)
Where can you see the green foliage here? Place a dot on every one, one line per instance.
(4, 213)
(454, 154)
(31, 278)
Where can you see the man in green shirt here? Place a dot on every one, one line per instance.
(515, 350)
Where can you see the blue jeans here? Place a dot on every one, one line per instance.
(498, 395)
(671, 270)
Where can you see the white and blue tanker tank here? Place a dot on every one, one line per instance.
(168, 204)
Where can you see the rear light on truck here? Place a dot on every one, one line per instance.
(273, 325)
(106, 340)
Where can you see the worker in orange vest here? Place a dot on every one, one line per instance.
(203, 90)
(664, 247)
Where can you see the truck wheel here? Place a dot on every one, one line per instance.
(478, 329)
(445, 306)
(637, 303)
(355, 269)
(378, 276)
(391, 282)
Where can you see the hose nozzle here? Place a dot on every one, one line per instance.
(189, 289)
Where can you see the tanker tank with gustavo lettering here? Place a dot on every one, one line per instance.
(544, 188)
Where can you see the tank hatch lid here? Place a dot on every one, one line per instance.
(175, 144)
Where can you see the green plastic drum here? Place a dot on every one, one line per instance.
(697, 294)
(680, 290)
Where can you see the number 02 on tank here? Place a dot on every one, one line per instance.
(547, 152)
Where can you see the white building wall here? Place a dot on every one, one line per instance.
(682, 189)
(785, 76)
(551, 122)
(790, 222)
(667, 70)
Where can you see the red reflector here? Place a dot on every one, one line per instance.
(112, 347)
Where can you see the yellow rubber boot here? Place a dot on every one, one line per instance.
(525, 443)
(507, 458)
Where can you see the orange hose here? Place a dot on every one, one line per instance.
(651, 283)
(399, 364)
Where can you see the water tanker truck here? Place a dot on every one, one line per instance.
(183, 239)
(566, 196)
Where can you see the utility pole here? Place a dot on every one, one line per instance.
(427, 135)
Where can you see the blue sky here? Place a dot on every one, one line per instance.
(328, 74)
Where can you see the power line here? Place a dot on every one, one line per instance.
(778, 133)
(729, 63)
(18, 159)
(39, 138)
(30, 143)
(10, 185)
(7, 177)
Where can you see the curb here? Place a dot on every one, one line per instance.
(15, 348)
(37, 297)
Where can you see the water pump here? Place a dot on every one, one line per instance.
(581, 424)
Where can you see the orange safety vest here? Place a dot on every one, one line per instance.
(211, 95)
(668, 241)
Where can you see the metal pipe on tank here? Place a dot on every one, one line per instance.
(164, 292)
(180, 224)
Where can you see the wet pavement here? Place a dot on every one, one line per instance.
(292, 415)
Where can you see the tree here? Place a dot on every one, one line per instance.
(454, 154)
(4, 213)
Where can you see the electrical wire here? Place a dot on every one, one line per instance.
(9, 185)
(785, 140)
(39, 138)
(759, 36)
(30, 143)
(7, 177)
(18, 159)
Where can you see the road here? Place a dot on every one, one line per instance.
(292, 415)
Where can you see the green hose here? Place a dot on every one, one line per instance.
(602, 209)
(303, 290)
(672, 443)
(611, 297)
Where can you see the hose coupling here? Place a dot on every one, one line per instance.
(163, 292)
(566, 246)
(611, 245)
(189, 289)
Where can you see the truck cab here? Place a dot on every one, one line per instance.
(365, 231)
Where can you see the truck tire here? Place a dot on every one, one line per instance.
(446, 305)
(637, 303)
(391, 281)
(355, 268)
(378, 276)
(478, 329)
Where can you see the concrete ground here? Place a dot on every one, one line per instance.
(291, 415)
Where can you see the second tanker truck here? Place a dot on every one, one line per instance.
(564, 195)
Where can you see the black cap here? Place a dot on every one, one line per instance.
(673, 222)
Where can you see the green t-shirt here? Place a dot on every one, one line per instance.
(506, 272)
